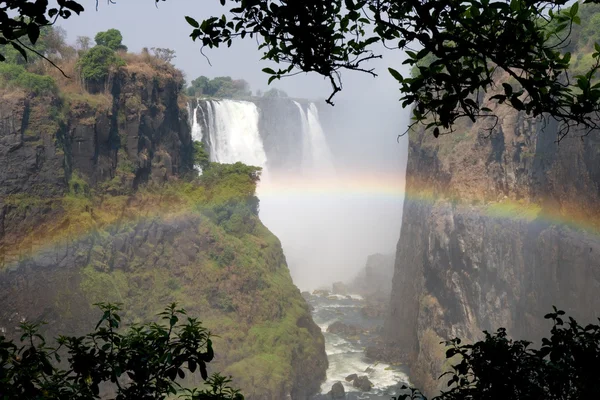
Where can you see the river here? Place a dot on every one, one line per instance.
(346, 352)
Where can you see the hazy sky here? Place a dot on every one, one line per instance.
(325, 239)
(144, 25)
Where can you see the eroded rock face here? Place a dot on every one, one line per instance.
(481, 253)
(54, 158)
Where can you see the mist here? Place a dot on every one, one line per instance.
(328, 231)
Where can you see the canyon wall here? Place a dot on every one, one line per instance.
(498, 225)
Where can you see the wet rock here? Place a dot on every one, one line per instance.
(363, 383)
(373, 310)
(321, 292)
(337, 391)
(340, 328)
(351, 377)
(339, 288)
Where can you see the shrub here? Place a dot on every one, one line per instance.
(144, 362)
(96, 63)
(497, 368)
(12, 74)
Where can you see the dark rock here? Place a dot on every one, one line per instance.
(339, 288)
(374, 310)
(351, 377)
(363, 383)
(340, 328)
(337, 391)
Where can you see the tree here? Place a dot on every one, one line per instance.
(274, 92)
(497, 368)
(83, 43)
(144, 362)
(473, 42)
(201, 157)
(31, 18)
(112, 39)
(96, 64)
(164, 54)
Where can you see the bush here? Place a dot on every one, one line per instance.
(111, 38)
(201, 157)
(497, 368)
(144, 362)
(96, 63)
(12, 74)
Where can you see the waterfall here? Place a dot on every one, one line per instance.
(196, 127)
(316, 156)
(231, 131)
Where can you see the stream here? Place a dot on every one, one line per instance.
(345, 352)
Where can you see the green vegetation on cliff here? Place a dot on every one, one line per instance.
(103, 204)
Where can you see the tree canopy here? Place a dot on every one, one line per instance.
(221, 86)
(472, 43)
(111, 38)
(565, 367)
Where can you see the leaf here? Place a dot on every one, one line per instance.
(33, 32)
(24, 54)
(203, 371)
(396, 74)
(574, 9)
(192, 22)
(269, 71)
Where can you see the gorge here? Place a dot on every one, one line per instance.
(297, 244)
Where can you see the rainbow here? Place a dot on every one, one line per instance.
(367, 187)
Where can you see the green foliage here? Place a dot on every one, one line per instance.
(232, 203)
(497, 368)
(469, 43)
(111, 38)
(144, 362)
(221, 87)
(16, 33)
(201, 157)
(96, 63)
(16, 75)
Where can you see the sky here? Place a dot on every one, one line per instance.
(327, 238)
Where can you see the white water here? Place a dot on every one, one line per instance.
(316, 156)
(234, 134)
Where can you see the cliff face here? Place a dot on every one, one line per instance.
(496, 229)
(99, 203)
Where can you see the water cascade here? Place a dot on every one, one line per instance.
(312, 208)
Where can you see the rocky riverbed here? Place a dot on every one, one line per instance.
(350, 325)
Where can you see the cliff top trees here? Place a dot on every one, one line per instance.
(221, 86)
(112, 39)
(472, 42)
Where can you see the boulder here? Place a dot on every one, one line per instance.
(337, 391)
(363, 383)
(340, 328)
(351, 378)
(321, 292)
(340, 288)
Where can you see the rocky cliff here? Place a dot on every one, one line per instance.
(99, 202)
(497, 227)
